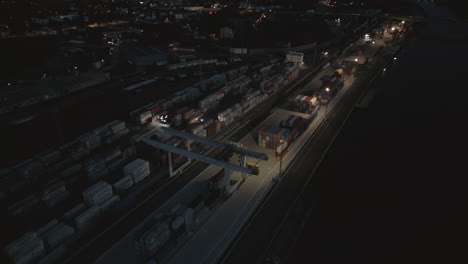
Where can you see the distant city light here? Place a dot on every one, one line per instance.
(403, 22)
(327, 89)
(395, 58)
(393, 28)
(356, 60)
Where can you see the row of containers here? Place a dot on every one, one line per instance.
(159, 110)
(181, 110)
(52, 241)
(280, 138)
(158, 238)
(85, 159)
(200, 118)
(95, 155)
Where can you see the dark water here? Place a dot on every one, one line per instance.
(391, 189)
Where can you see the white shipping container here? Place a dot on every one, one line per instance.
(71, 170)
(141, 176)
(96, 175)
(90, 140)
(23, 205)
(104, 207)
(188, 217)
(102, 131)
(40, 231)
(78, 155)
(179, 221)
(98, 193)
(26, 249)
(75, 211)
(51, 202)
(123, 184)
(87, 219)
(53, 190)
(58, 235)
(136, 166)
(49, 157)
(116, 126)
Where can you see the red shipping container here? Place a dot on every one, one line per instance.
(211, 130)
(156, 110)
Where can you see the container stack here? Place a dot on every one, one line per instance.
(123, 184)
(30, 170)
(217, 182)
(57, 235)
(272, 137)
(214, 82)
(306, 104)
(272, 84)
(291, 73)
(293, 122)
(23, 206)
(87, 219)
(137, 169)
(26, 249)
(95, 167)
(97, 193)
(71, 171)
(141, 115)
(227, 116)
(149, 242)
(54, 193)
(178, 227)
(189, 220)
(116, 129)
(74, 212)
(50, 157)
(211, 130)
(90, 140)
(105, 206)
(191, 94)
(76, 149)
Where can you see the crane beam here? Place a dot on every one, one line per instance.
(196, 156)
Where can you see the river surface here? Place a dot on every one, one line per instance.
(390, 189)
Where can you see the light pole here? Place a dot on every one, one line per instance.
(328, 101)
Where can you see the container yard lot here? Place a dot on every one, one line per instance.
(244, 200)
(94, 167)
(252, 244)
(164, 190)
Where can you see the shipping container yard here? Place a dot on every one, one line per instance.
(103, 164)
(82, 188)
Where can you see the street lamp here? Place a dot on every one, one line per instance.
(328, 101)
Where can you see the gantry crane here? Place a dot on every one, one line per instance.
(225, 144)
